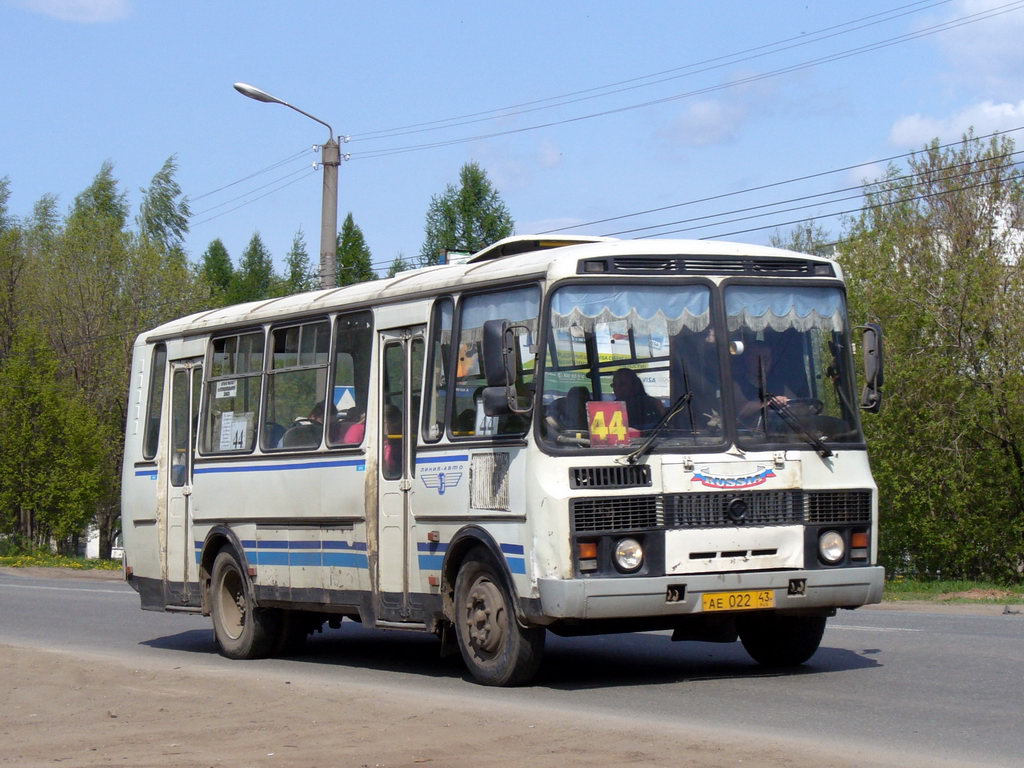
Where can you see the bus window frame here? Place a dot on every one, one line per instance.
(208, 378)
(159, 347)
(717, 320)
(428, 368)
(332, 373)
(453, 360)
(269, 371)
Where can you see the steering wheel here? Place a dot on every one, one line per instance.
(811, 404)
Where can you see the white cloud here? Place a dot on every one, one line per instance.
(986, 117)
(83, 11)
(708, 122)
(989, 52)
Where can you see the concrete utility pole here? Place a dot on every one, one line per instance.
(330, 159)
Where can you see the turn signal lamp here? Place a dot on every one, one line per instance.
(588, 555)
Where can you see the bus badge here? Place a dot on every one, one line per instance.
(759, 476)
(441, 480)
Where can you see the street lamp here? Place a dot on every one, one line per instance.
(330, 159)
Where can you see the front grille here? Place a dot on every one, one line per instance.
(618, 513)
(634, 476)
(832, 507)
(711, 510)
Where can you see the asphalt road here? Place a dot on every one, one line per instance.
(948, 686)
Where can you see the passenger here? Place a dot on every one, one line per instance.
(757, 365)
(642, 410)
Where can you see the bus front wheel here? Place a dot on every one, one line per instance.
(243, 631)
(781, 641)
(495, 648)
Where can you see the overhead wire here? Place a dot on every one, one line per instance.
(252, 200)
(857, 51)
(270, 167)
(633, 83)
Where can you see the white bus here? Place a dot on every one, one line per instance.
(577, 435)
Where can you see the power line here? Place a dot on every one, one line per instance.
(253, 200)
(255, 189)
(868, 48)
(876, 206)
(770, 185)
(621, 86)
(860, 187)
(270, 167)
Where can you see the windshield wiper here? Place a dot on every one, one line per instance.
(795, 423)
(681, 402)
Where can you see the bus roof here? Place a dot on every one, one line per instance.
(523, 256)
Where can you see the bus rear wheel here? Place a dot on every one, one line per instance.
(781, 641)
(243, 631)
(494, 647)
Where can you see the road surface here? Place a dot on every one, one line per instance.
(886, 687)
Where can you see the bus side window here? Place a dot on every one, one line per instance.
(353, 342)
(234, 386)
(296, 384)
(519, 306)
(154, 404)
(437, 371)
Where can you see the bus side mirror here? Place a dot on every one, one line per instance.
(874, 368)
(501, 369)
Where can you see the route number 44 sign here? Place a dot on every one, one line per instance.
(609, 424)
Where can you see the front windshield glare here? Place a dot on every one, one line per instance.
(620, 359)
(790, 364)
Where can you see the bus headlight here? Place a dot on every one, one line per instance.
(629, 555)
(831, 547)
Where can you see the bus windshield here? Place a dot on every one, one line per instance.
(790, 360)
(623, 359)
(625, 362)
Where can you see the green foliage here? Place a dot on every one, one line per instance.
(217, 271)
(54, 453)
(355, 264)
(44, 559)
(806, 237)
(398, 265)
(254, 279)
(300, 274)
(465, 218)
(163, 213)
(942, 273)
(954, 591)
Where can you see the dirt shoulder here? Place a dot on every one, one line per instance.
(86, 711)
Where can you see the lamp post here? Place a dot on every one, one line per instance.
(330, 159)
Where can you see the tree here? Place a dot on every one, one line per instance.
(13, 262)
(935, 256)
(300, 275)
(54, 452)
(163, 213)
(355, 264)
(806, 237)
(398, 265)
(254, 278)
(216, 270)
(467, 218)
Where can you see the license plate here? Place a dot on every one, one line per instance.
(748, 600)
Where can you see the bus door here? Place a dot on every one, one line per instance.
(401, 375)
(180, 562)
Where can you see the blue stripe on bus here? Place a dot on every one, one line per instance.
(345, 560)
(512, 549)
(431, 546)
(150, 473)
(431, 562)
(442, 459)
(358, 463)
(516, 564)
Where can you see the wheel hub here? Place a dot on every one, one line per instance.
(485, 616)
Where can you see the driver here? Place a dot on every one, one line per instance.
(747, 384)
(642, 410)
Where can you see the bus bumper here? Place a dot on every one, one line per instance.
(682, 594)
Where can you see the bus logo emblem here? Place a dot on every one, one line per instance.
(441, 480)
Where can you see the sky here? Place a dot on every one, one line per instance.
(579, 112)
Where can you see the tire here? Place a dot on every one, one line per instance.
(781, 641)
(494, 647)
(243, 631)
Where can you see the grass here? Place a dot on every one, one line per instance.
(954, 591)
(47, 560)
